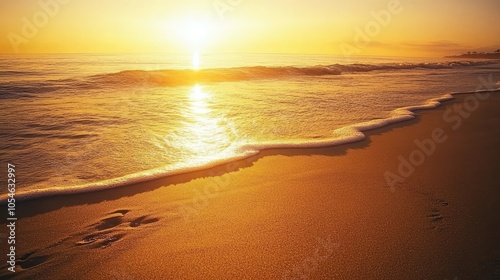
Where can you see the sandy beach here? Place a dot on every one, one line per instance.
(343, 212)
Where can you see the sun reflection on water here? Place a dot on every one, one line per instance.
(203, 135)
(196, 60)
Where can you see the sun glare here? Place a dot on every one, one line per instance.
(194, 32)
(197, 34)
(195, 60)
(197, 93)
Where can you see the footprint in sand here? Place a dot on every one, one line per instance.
(142, 221)
(435, 214)
(113, 228)
(112, 220)
(110, 229)
(34, 261)
(101, 240)
(438, 221)
(89, 239)
(108, 241)
(441, 202)
(30, 260)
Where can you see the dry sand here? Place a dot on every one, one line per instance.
(290, 214)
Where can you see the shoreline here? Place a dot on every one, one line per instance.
(325, 212)
(355, 133)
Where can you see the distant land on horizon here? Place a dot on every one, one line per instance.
(494, 55)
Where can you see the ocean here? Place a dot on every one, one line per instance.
(85, 122)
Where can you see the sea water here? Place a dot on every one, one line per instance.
(81, 122)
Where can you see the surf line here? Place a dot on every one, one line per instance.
(427, 147)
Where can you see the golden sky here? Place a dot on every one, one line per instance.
(364, 27)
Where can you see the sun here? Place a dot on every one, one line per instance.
(197, 34)
(195, 31)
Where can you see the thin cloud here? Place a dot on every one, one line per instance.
(445, 45)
